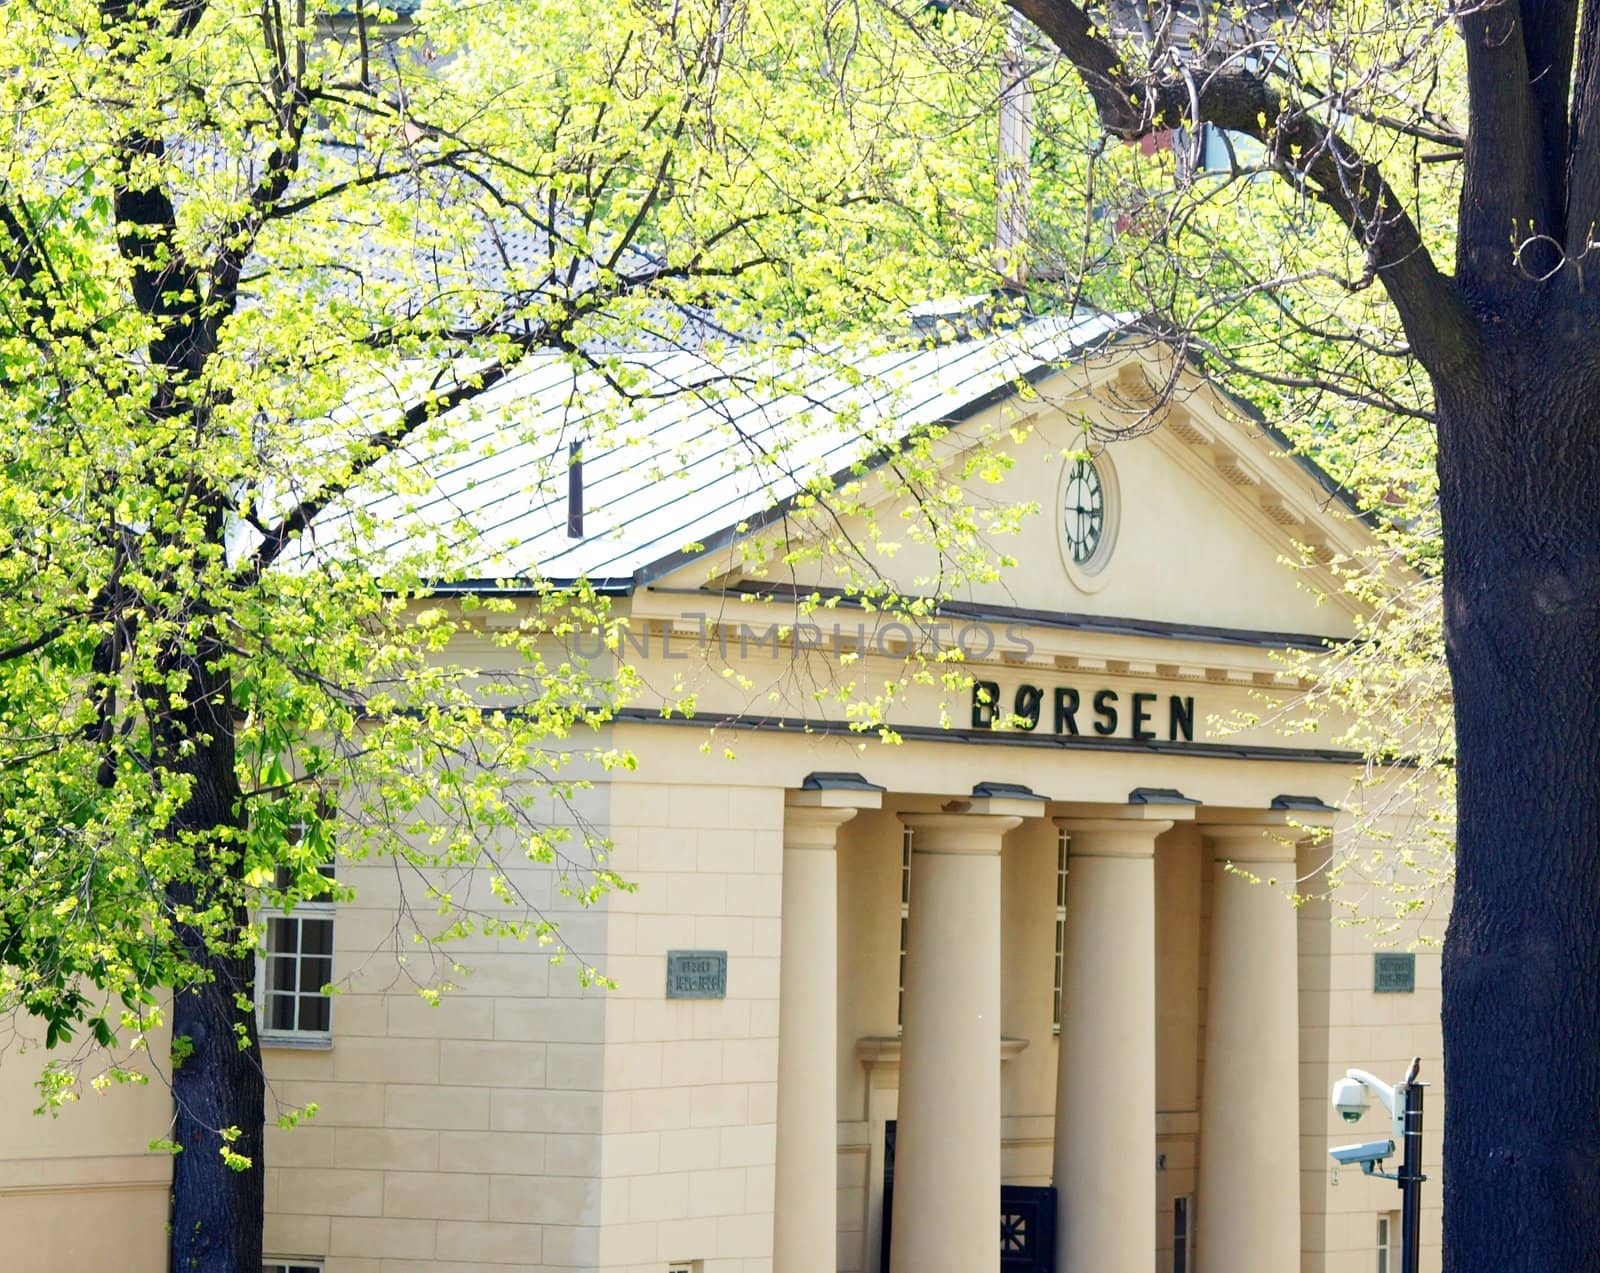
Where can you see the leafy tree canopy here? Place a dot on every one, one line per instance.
(249, 256)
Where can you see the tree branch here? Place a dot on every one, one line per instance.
(377, 176)
(376, 448)
(165, 285)
(1547, 30)
(23, 648)
(1583, 178)
(1503, 196)
(1303, 150)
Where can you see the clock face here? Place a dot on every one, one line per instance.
(1084, 511)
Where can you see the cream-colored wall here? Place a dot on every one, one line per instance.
(81, 1189)
(1344, 1023)
(691, 1085)
(529, 1124)
(459, 1136)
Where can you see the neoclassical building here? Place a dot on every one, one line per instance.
(1020, 987)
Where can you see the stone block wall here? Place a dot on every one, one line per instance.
(690, 1100)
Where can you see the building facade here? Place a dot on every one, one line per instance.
(1042, 936)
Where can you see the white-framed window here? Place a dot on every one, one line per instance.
(1183, 1233)
(290, 1266)
(1063, 845)
(295, 964)
(905, 922)
(1388, 1235)
(684, 1266)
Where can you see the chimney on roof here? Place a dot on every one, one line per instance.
(1011, 176)
(575, 490)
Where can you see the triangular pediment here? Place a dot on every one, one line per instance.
(1202, 510)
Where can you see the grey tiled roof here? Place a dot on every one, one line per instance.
(718, 447)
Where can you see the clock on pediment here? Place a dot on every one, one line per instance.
(1084, 514)
(1088, 517)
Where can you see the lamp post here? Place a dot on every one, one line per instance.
(1404, 1103)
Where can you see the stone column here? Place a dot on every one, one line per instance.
(947, 1146)
(1248, 1205)
(805, 1218)
(1105, 1138)
(1182, 864)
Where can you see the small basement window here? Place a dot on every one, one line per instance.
(1388, 1234)
(1183, 1233)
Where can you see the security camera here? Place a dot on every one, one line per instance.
(1350, 1099)
(1364, 1155)
(1351, 1095)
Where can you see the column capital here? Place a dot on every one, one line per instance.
(1134, 812)
(1244, 842)
(959, 832)
(974, 824)
(1260, 835)
(1284, 811)
(835, 791)
(1118, 830)
(1113, 837)
(810, 826)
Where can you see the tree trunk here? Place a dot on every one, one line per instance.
(1520, 488)
(216, 1210)
(217, 1085)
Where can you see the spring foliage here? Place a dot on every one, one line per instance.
(251, 256)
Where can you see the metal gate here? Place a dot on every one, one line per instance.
(1027, 1220)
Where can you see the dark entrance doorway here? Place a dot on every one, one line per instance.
(1027, 1220)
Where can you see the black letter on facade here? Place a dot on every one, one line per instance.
(985, 694)
(1180, 717)
(1141, 717)
(1104, 709)
(1027, 705)
(1066, 709)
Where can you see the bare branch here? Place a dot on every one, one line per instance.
(1305, 151)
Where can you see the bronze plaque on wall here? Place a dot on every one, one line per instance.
(1394, 974)
(697, 974)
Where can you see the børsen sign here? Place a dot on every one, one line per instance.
(1065, 710)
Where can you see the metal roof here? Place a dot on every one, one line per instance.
(699, 449)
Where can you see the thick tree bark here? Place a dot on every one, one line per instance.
(217, 1084)
(1520, 474)
(216, 1211)
(1509, 342)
